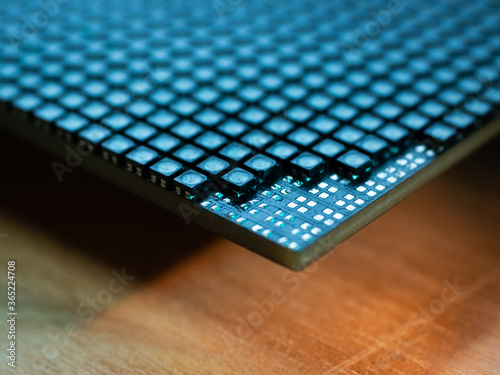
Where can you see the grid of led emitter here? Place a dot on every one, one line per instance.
(284, 117)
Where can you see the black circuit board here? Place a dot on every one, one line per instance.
(284, 118)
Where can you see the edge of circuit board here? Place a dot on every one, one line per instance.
(419, 163)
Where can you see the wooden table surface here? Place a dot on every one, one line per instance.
(415, 292)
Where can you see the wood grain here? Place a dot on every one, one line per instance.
(383, 302)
